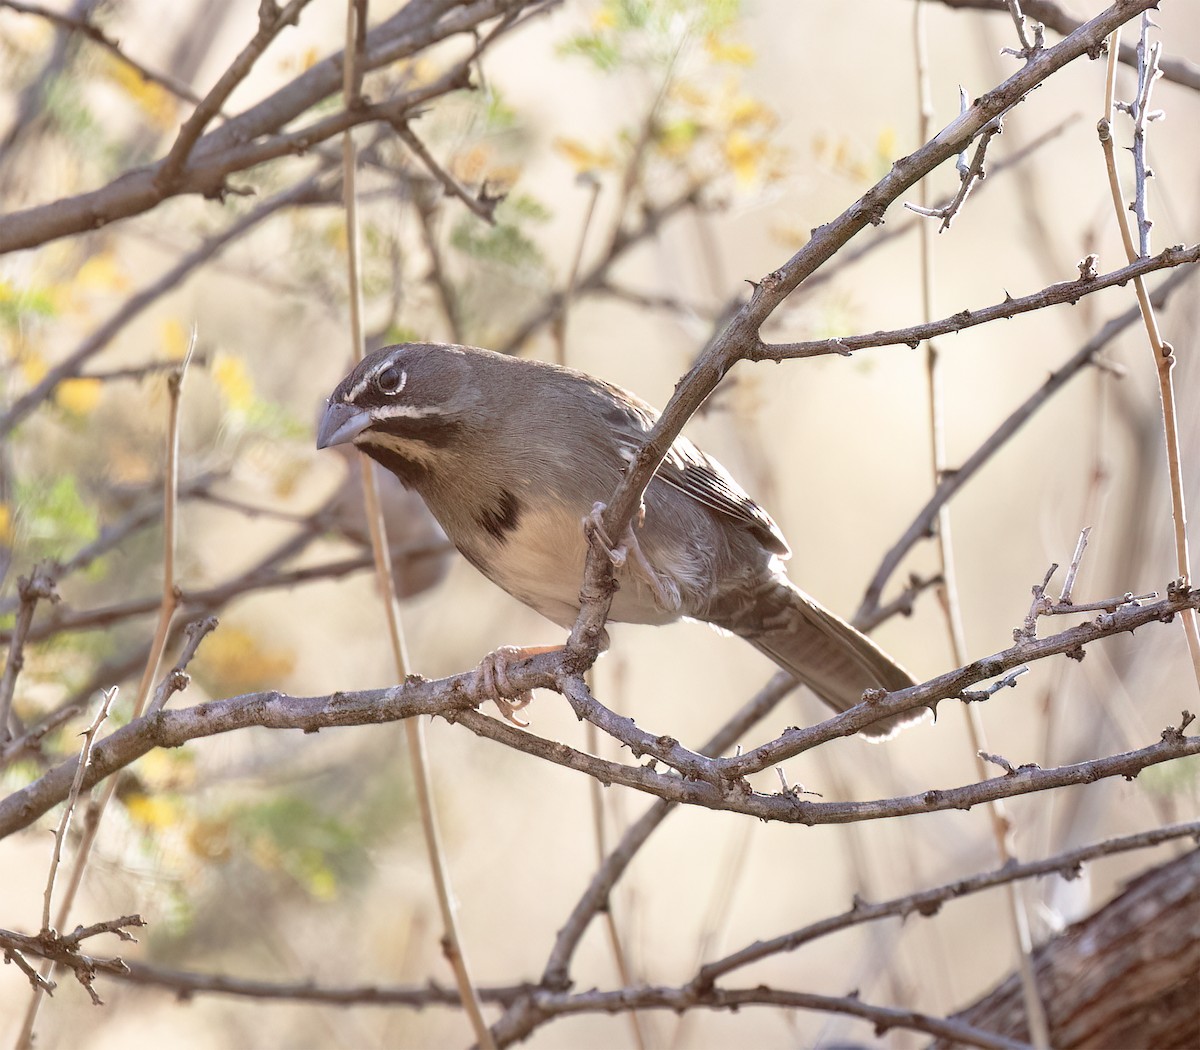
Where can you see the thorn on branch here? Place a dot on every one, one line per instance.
(1009, 769)
(1009, 681)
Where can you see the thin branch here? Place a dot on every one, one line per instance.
(262, 577)
(969, 176)
(955, 479)
(1053, 295)
(30, 590)
(89, 737)
(927, 903)
(271, 22)
(310, 191)
(414, 729)
(87, 28)
(481, 204)
(31, 739)
(1162, 352)
(25, 1037)
(138, 372)
(1030, 45)
(177, 678)
(741, 338)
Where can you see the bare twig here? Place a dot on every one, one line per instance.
(87, 28)
(31, 739)
(265, 576)
(481, 204)
(1161, 351)
(954, 480)
(1053, 295)
(453, 700)
(969, 176)
(271, 22)
(414, 728)
(928, 902)
(177, 679)
(1030, 46)
(309, 191)
(30, 590)
(1064, 597)
(25, 1037)
(85, 753)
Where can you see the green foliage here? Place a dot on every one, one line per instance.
(16, 307)
(647, 32)
(64, 103)
(498, 115)
(504, 243)
(315, 848)
(53, 519)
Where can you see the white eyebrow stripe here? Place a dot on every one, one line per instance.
(366, 380)
(405, 411)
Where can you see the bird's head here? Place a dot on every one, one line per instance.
(411, 390)
(403, 404)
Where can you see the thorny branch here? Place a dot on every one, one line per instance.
(713, 783)
(956, 479)
(741, 338)
(39, 586)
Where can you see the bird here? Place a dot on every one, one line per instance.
(512, 456)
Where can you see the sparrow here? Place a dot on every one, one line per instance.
(512, 455)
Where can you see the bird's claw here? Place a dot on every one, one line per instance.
(495, 686)
(664, 588)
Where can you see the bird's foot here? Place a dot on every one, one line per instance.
(494, 683)
(666, 592)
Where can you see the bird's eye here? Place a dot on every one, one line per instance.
(391, 380)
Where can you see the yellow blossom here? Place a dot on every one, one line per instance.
(174, 338)
(734, 53)
(234, 382)
(102, 272)
(744, 154)
(582, 157)
(153, 811)
(79, 396)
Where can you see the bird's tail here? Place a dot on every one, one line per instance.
(836, 661)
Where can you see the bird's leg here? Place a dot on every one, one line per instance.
(494, 683)
(665, 590)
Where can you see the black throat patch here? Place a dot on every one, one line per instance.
(409, 471)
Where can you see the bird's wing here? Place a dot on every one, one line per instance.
(689, 470)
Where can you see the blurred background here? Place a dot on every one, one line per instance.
(653, 158)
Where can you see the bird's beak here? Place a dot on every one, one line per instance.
(340, 423)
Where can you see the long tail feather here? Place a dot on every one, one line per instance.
(836, 661)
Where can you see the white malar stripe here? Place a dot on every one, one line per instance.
(405, 411)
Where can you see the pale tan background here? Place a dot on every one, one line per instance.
(835, 448)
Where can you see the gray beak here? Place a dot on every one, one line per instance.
(340, 423)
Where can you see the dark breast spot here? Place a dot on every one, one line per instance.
(501, 518)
